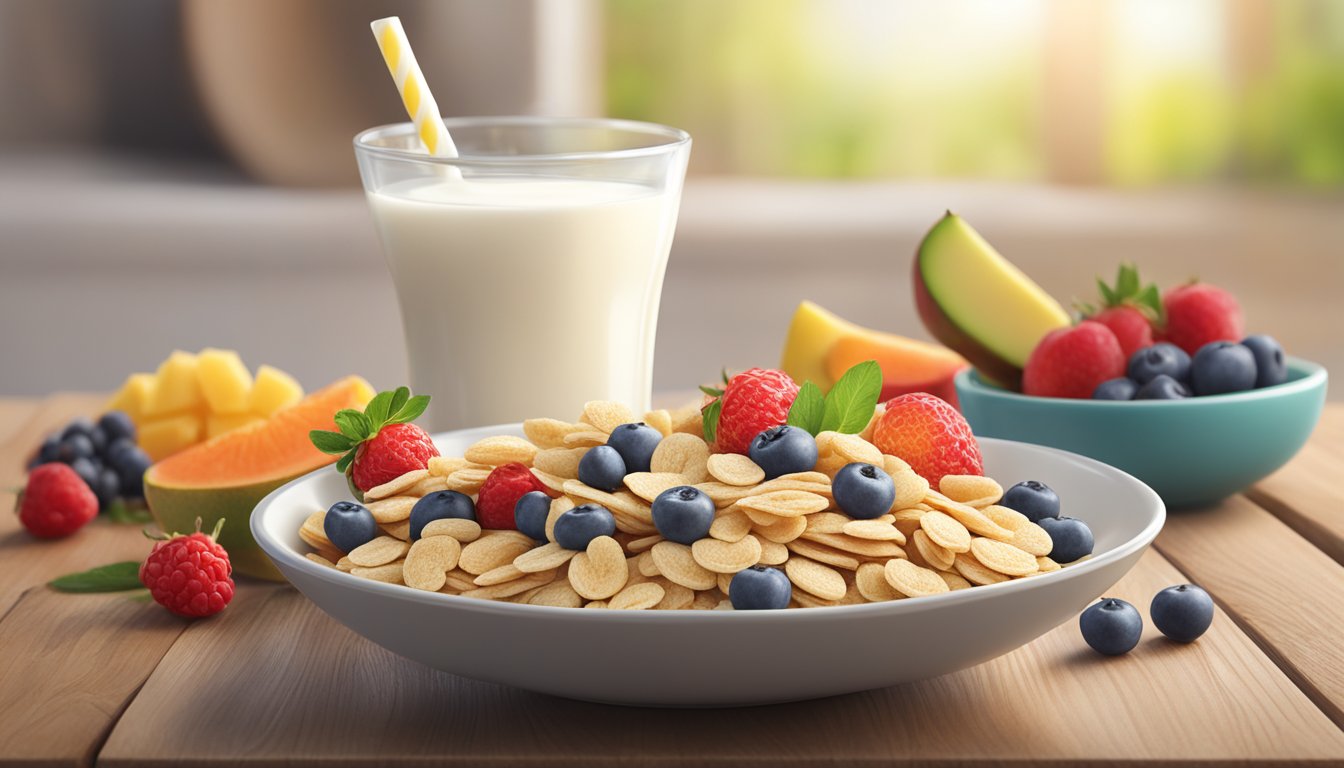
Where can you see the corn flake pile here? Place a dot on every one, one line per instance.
(932, 541)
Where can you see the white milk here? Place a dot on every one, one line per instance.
(526, 297)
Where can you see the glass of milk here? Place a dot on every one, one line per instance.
(529, 268)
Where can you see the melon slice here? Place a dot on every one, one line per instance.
(227, 476)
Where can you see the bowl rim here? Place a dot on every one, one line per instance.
(1314, 375)
(286, 558)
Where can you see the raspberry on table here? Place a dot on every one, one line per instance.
(189, 575)
(56, 502)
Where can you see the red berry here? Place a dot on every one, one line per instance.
(500, 493)
(1130, 326)
(1200, 313)
(189, 575)
(56, 502)
(394, 451)
(930, 435)
(753, 401)
(1071, 362)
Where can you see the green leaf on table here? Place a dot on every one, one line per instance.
(122, 513)
(808, 409)
(850, 405)
(115, 577)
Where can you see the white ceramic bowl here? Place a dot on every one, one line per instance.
(724, 658)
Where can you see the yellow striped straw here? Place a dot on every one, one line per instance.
(420, 104)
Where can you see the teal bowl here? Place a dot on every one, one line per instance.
(1193, 452)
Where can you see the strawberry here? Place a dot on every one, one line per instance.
(750, 402)
(1071, 362)
(379, 444)
(1198, 313)
(189, 575)
(500, 492)
(930, 435)
(56, 502)
(1129, 308)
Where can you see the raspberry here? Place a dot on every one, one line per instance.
(1071, 362)
(753, 401)
(500, 493)
(394, 451)
(56, 502)
(930, 435)
(189, 575)
(1201, 313)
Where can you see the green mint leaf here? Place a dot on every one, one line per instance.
(116, 577)
(379, 408)
(344, 462)
(711, 391)
(121, 513)
(141, 596)
(410, 411)
(709, 420)
(331, 442)
(808, 408)
(850, 405)
(354, 425)
(399, 398)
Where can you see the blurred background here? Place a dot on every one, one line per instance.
(178, 173)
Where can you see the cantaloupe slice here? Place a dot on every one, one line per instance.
(227, 476)
(218, 424)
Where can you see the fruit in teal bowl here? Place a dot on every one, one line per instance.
(1193, 452)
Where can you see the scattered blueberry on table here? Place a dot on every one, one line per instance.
(1182, 613)
(1111, 626)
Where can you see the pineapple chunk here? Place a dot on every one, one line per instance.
(225, 381)
(218, 424)
(162, 437)
(274, 389)
(133, 396)
(178, 388)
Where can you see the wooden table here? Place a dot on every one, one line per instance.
(272, 681)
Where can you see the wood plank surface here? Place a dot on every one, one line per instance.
(1284, 592)
(69, 666)
(26, 561)
(289, 686)
(1307, 493)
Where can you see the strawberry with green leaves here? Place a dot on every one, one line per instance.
(380, 443)
(1130, 309)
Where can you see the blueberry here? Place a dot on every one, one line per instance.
(108, 488)
(1222, 366)
(131, 463)
(99, 440)
(602, 468)
(116, 424)
(530, 513)
(1032, 498)
(635, 442)
(116, 448)
(783, 450)
(439, 505)
(683, 514)
(580, 525)
(1182, 613)
(1111, 626)
(1115, 389)
(760, 588)
(348, 525)
(79, 426)
(1160, 359)
(863, 491)
(50, 450)
(1270, 366)
(88, 470)
(1072, 538)
(75, 446)
(1163, 387)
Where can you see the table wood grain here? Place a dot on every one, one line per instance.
(273, 681)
